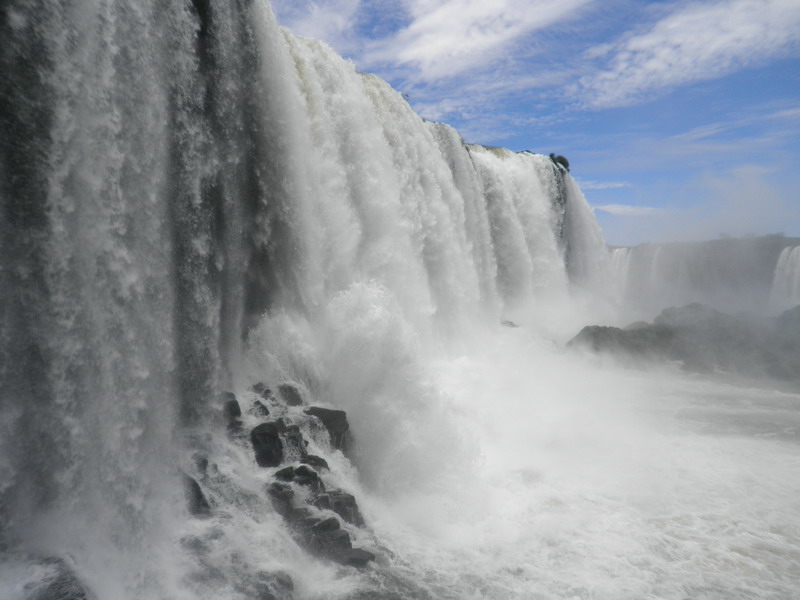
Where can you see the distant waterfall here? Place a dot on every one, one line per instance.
(786, 283)
(729, 274)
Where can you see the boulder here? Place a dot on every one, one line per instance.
(342, 503)
(315, 461)
(281, 496)
(195, 499)
(290, 394)
(286, 474)
(335, 421)
(266, 440)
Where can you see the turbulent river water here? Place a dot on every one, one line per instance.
(195, 201)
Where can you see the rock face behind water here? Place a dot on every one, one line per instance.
(703, 339)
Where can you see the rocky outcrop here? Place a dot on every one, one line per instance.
(702, 339)
(313, 511)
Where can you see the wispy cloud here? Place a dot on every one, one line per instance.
(604, 185)
(624, 210)
(698, 41)
(331, 21)
(446, 38)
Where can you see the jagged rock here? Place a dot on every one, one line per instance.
(304, 475)
(342, 503)
(290, 394)
(281, 496)
(315, 461)
(266, 440)
(258, 409)
(196, 500)
(62, 584)
(335, 422)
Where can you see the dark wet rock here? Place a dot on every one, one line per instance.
(277, 585)
(560, 161)
(342, 503)
(195, 499)
(259, 409)
(315, 461)
(326, 525)
(231, 408)
(335, 422)
(305, 475)
(281, 496)
(357, 557)
(285, 474)
(290, 394)
(301, 518)
(262, 390)
(61, 584)
(266, 440)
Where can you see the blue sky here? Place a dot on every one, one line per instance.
(680, 118)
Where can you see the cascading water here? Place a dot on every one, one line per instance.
(785, 292)
(194, 201)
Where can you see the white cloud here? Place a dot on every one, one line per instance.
(331, 21)
(624, 210)
(698, 41)
(445, 38)
(604, 185)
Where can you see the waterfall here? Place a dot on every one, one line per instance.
(785, 291)
(194, 199)
(729, 274)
